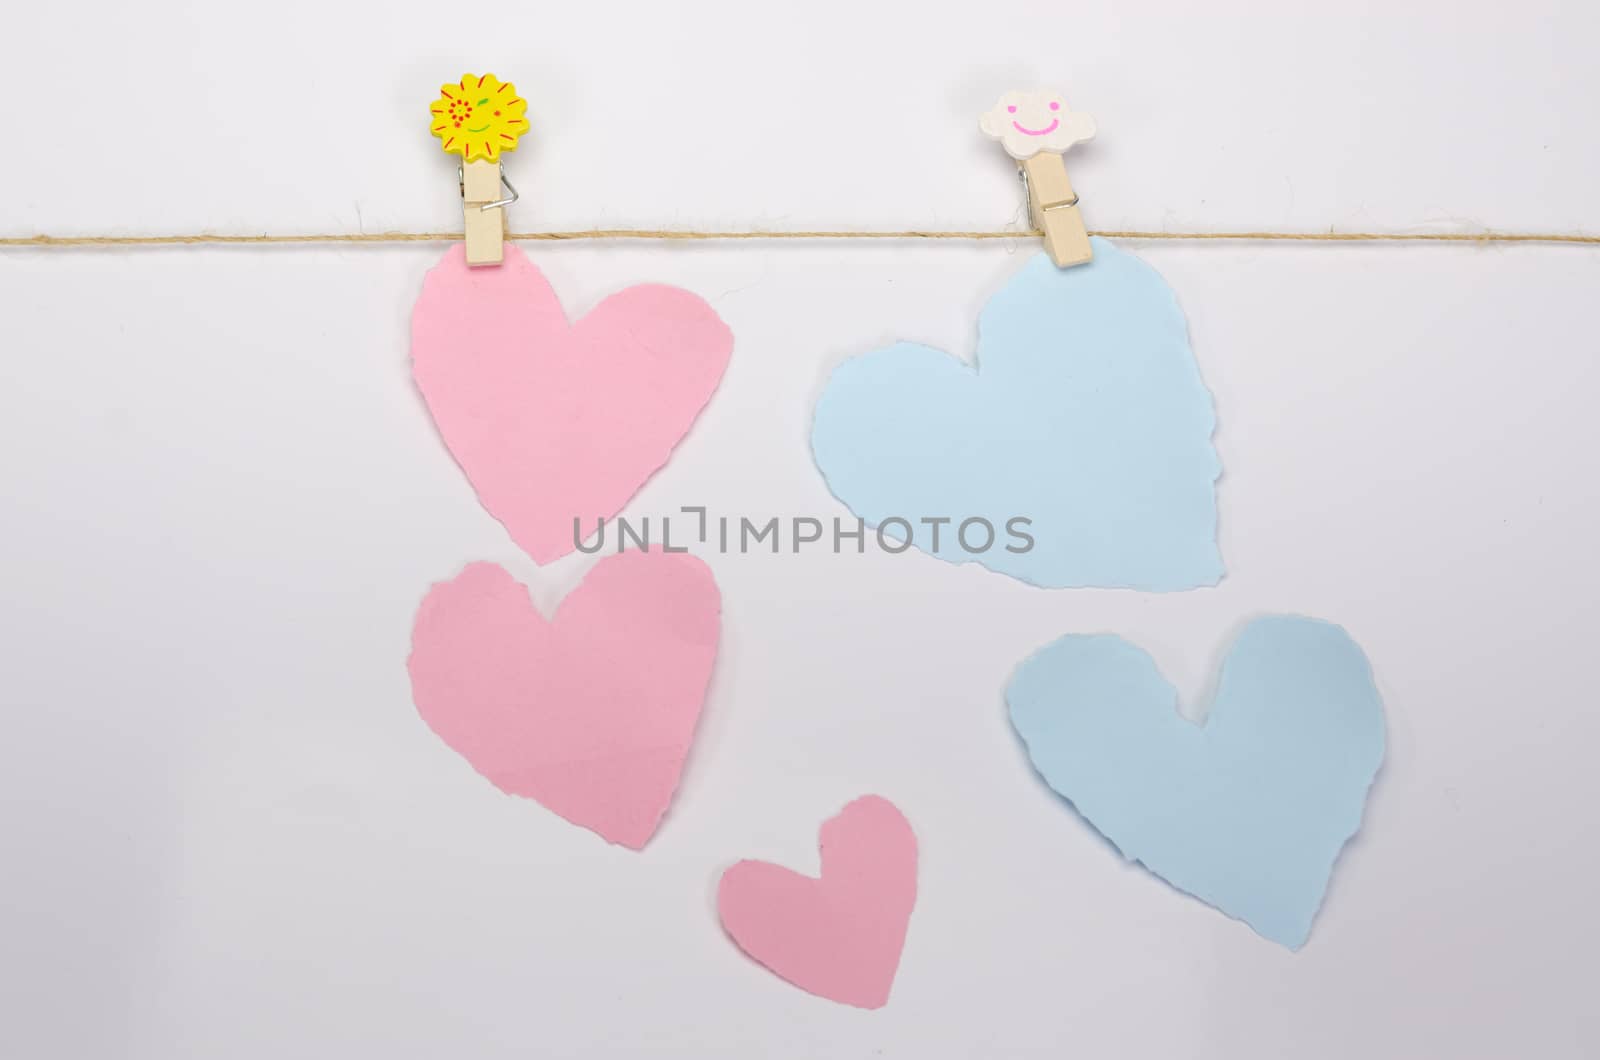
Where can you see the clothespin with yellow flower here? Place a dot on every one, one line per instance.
(480, 118)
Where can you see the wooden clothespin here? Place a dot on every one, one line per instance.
(1035, 128)
(480, 118)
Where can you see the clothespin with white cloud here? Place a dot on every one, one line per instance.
(1035, 128)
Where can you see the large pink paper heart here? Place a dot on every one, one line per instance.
(839, 936)
(590, 713)
(554, 422)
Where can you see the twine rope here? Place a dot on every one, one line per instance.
(667, 234)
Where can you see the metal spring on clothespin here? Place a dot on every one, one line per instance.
(461, 182)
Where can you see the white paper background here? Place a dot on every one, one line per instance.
(227, 833)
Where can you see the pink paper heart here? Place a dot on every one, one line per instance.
(592, 712)
(839, 936)
(554, 422)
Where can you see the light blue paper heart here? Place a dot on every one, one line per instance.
(1085, 414)
(1248, 811)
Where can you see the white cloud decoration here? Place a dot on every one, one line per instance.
(1026, 123)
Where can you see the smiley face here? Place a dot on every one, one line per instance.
(1055, 120)
(463, 113)
(1026, 123)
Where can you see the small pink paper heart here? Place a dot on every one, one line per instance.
(555, 422)
(839, 936)
(592, 712)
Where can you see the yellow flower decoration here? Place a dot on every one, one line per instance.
(479, 117)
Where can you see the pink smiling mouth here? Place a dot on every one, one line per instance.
(1046, 131)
